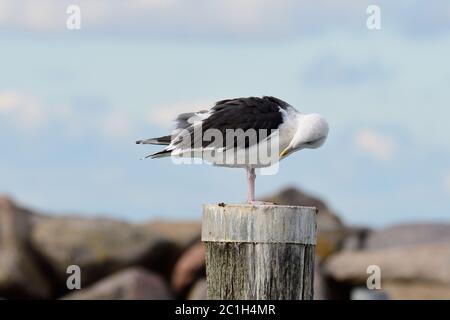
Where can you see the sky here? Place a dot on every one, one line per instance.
(72, 103)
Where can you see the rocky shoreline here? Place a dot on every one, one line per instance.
(165, 260)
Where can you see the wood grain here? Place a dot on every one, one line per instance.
(259, 252)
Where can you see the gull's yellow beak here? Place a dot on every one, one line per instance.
(284, 153)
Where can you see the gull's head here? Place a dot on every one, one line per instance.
(312, 131)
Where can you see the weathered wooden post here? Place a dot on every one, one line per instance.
(259, 251)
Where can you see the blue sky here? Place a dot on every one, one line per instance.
(73, 102)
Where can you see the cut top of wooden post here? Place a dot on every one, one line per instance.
(259, 223)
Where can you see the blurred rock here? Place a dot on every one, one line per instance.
(14, 223)
(100, 246)
(330, 229)
(356, 238)
(129, 284)
(20, 278)
(198, 290)
(325, 288)
(408, 234)
(189, 268)
(183, 233)
(294, 197)
(421, 263)
(417, 291)
(20, 274)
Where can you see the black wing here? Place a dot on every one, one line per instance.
(242, 113)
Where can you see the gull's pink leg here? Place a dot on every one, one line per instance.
(251, 176)
(251, 184)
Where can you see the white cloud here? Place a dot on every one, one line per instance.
(21, 111)
(237, 18)
(153, 3)
(377, 145)
(164, 115)
(29, 115)
(5, 11)
(41, 15)
(116, 125)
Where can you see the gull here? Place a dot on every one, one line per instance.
(252, 132)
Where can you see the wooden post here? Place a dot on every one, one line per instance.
(259, 251)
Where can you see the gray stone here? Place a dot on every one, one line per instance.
(20, 274)
(428, 263)
(417, 291)
(100, 246)
(407, 235)
(326, 218)
(331, 232)
(129, 284)
(189, 267)
(198, 290)
(183, 233)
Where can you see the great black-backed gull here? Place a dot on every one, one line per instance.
(244, 132)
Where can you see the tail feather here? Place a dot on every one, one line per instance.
(160, 154)
(165, 140)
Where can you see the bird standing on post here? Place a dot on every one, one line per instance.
(236, 132)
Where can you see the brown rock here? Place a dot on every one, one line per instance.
(14, 223)
(130, 284)
(417, 291)
(330, 230)
(425, 263)
(198, 290)
(356, 238)
(407, 235)
(182, 233)
(100, 246)
(20, 274)
(189, 268)
(327, 220)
